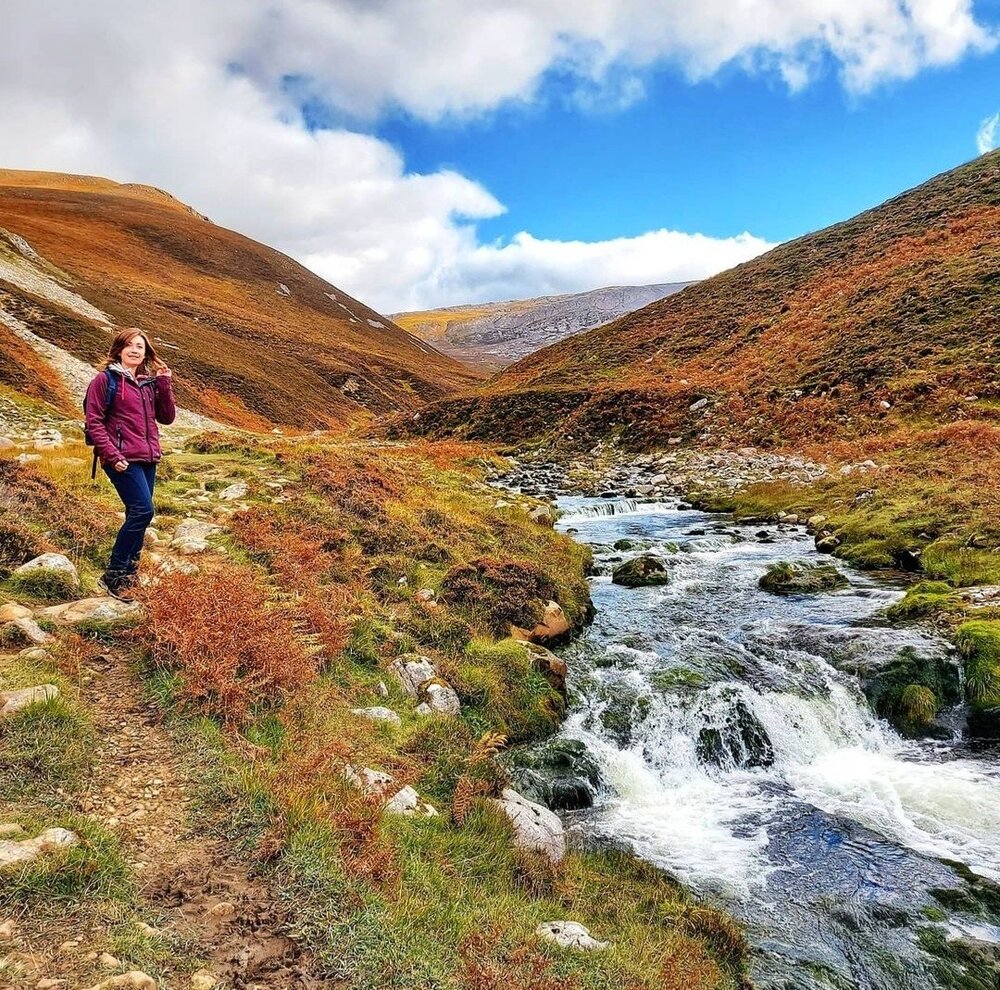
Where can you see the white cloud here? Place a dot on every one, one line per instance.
(203, 100)
(986, 136)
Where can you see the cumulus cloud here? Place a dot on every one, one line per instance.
(986, 136)
(206, 100)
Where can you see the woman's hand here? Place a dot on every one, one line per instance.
(121, 465)
(163, 371)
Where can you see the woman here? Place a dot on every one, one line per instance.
(127, 441)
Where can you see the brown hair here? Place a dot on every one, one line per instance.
(125, 337)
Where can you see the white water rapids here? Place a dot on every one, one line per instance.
(842, 807)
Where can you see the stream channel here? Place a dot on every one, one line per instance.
(737, 751)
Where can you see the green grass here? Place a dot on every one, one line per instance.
(979, 643)
(924, 599)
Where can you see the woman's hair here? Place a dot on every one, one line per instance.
(121, 340)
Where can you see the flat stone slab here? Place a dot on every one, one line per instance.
(102, 609)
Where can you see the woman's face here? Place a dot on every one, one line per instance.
(134, 352)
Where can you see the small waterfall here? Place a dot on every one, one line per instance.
(618, 507)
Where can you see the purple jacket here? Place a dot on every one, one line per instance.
(129, 431)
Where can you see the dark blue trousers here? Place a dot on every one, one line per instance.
(135, 488)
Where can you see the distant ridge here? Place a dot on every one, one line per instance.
(494, 335)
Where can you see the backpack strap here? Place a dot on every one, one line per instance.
(112, 379)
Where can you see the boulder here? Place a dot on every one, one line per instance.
(542, 515)
(371, 782)
(640, 572)
(190, 545)
(545, 662)
(16, 852)
(826, 542)
(103, 609)
(25, 630)
(786, 578)
(560, 774)
(56, 564)
(569, 935)
(14, 701)
(12, 611)
(737, 739)
(412, 670)
(379, 714)
(535, 828)
(439, 697)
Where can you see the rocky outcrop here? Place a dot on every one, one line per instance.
(14, 701)
(554, 626)
(14, 853)
(418, 677)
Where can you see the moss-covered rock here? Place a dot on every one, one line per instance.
(924, 599)
(560, 774)
(786, 578)
(910, 690)
(641, 572)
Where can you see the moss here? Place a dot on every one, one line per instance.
(785, 578)
(924, 599)
(979, 643)
(896, 690)
(918, 706)
(43, 584)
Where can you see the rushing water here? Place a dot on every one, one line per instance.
(740, 755)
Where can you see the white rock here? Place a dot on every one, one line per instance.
(202, 980)
(372, 782)
(28, 458)
(535, 827)
(197, 528)
(407, 802)
(189, 546)
(412, 671)
(440, 698)
(15, 852)
(14, 701)
(57, 563)
(9, 829)
(7, 444)
(377, 713)
(98, 609)
(569, 935)
(238, 489)
(698, 404)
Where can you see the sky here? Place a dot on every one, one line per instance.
(424, 153)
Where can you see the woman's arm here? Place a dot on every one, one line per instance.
(95, 411)
(165, 408)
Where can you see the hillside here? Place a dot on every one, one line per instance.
(881, 322)
(255, 338)
(493, 335)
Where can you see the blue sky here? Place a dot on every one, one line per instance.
(721, 156)
(421, 153)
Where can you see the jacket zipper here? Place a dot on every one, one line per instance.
(145, 416)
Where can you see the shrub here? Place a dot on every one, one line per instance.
(232, 646)
(499, 593)
(979, 643)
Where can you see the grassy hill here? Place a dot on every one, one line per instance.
(255, 338)
(885, 321)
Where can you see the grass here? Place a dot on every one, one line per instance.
(979, 643)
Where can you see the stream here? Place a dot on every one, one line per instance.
(738, 752)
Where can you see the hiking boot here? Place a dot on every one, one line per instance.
(116, 589)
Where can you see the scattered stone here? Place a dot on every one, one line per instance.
(134, 980)
(535, 828)
(569, 935)
(424, 595)
(377, 713)
(698, 404)
(108, 961)
(548, 664)
(7, 444)
(383, 691)
(13, 853)
(189, 546)
(826, 543)
(9, 829)
(439, 697)
(554, 624)
(237, 490)
(412, 670)
(7, 929)
(371, 782)
(542, 515)
(202, 980)
(11, 611)
(407, 802)
(14, 701)
(103, 609)
(640, 572)
(25, 630)
(48, 984)
(56, 564)
(224, 909)
(198, 529)
(36, 653)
